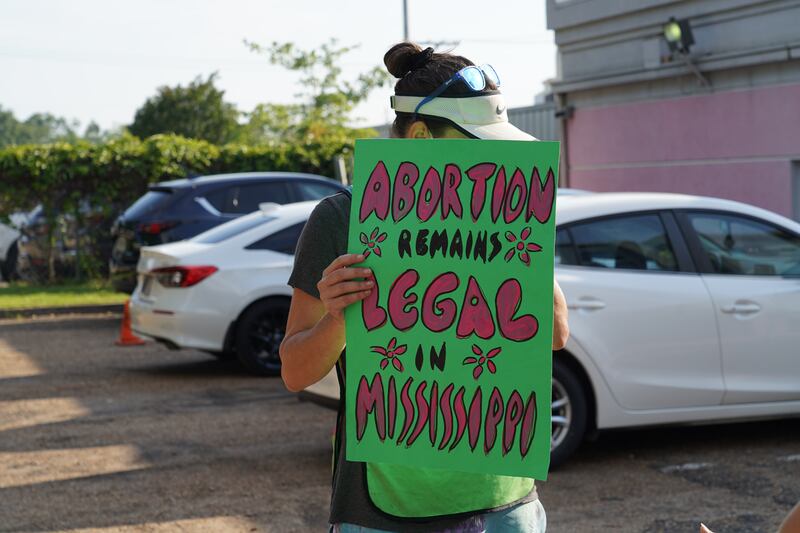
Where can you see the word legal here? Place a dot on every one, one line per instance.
(438, 314)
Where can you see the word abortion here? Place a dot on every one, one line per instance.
(511, 195)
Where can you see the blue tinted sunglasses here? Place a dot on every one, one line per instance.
(474, 77)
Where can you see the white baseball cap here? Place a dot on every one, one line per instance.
(484, 116)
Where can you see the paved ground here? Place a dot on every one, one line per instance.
(94, 437)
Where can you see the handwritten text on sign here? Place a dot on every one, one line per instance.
(448, 359)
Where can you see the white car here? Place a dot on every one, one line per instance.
(8, 249)
(9, 235)
(683, 309)
(224, 291)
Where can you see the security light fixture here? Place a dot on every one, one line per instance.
(679, 37)
(678, 34)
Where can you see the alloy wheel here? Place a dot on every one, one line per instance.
(561, 414)
(266, 335)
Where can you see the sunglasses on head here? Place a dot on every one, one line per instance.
(474, 78)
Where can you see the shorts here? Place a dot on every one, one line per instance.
(523, 518)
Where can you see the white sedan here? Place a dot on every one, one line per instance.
(683, 309)
(224, 291)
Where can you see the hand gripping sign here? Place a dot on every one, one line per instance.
(449, 358)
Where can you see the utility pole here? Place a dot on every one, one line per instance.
(405, 20)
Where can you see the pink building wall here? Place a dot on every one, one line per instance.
(735, 144)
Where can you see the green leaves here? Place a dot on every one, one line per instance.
(197, 111)
(186, 131)
(106, 178)
(325, 101)
(117, 171)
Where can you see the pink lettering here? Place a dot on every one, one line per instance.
(509, 298)
(400, 300)
(376, 194)
(369, 398)
(403, 197)
(438, 316)
(429, 195)
(479, 174)
(515, 197)
(450, 198)
(476, 317)
(540, 197)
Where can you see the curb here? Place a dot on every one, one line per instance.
(74, 310)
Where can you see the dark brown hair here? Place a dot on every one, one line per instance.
(420, 77)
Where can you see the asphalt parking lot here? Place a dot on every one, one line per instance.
(95, 437)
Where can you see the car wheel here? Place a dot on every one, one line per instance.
(569, 413)
(259, 334)
(10, 265)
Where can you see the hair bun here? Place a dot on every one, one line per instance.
(400, 58)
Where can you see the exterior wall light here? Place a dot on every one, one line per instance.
(680, 39)
(678, 35)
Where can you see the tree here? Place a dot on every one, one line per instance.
(47, 128)
(197, 111)
(93, 133)
(8, 127)
(326, 99)
(39, 128)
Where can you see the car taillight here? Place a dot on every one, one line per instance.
(154, 228)
(182, 276)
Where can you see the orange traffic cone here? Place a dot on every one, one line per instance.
(126, 336)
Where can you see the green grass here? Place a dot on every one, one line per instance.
(20, 295)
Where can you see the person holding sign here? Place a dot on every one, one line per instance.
(437, 96)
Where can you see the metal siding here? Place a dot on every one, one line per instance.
(538, 120)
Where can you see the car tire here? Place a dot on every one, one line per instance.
(9, 268)
(569, 412)
(259, 333)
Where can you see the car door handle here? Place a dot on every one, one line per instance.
(587, 304)
(741, 308)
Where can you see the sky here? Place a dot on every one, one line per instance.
(101, 59)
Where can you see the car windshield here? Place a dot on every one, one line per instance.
(153, 200)
(231, 229)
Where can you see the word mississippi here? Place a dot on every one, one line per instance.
(446, 415)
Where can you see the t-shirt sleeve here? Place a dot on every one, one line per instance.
(320, 243)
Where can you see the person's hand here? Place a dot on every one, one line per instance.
(560, 318)
(704, 529)
(338, 288)
(559, 301)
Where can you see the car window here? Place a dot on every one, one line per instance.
(565, 251)
(218, 198)
(634, 242)
(153, 200)
(241, 199)
(742, 246)
(312, 190)
(231, 229)
(284, 241)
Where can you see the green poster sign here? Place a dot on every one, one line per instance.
(449, 358)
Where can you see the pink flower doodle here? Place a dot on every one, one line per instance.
(372, 242)
(391, 353)
(521, 246)
(481, 359)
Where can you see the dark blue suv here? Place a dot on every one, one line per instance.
(180, 209)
